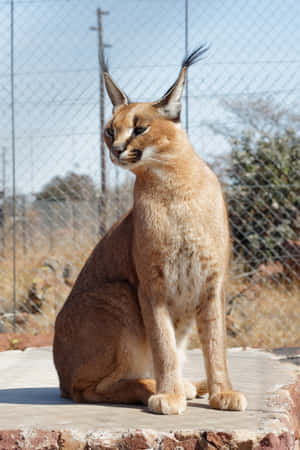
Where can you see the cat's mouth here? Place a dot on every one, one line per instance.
(127, 158)
(136, 154)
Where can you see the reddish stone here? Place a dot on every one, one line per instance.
(246, 445)
(40, 439)
(94, 446)
(283, 442)
(219, 440)
(136, 441)
(43, 440)
(11, 440)
(191, 444)
(287, 441)
(67, 441)
(269, 441)
(169, 444)
(97, 444)
(186, 444)
(294, 391)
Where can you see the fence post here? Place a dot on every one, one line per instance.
(24, 225)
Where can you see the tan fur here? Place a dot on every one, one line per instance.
(156, 271)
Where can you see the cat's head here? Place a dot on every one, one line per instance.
(140, 133)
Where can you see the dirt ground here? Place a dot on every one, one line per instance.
(20, 341)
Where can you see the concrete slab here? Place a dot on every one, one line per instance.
(34, 416)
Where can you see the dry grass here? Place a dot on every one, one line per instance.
(265, 316)
(261, 314)
(66, 249)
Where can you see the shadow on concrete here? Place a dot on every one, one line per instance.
(48, 396)
(198, 404)
(51, 396)
(33, 396)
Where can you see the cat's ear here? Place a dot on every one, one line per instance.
(169, 105)
(116, 95)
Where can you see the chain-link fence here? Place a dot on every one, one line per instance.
(241, 109)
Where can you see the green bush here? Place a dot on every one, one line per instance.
(263, 195)
(72, 186)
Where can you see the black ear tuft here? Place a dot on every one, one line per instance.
(170, 104)
(195, 56)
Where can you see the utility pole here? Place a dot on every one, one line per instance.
(3, 197)
(31, 162)
(24, 223)
(186, 28)
(13, 158)
(101, 46)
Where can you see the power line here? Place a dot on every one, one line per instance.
(24, 2)
(201, 95)
(153, 66)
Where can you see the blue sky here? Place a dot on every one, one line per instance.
(254, 52)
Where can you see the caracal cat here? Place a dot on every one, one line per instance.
(121, 334)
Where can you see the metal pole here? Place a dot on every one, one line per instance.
(24, 224)
(102, 112)
(31, 165)
(13, 149)
(186, 29)
(3, 200)
(101, 46)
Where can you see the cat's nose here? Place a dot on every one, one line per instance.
(117, 150)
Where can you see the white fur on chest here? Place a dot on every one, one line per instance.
(185, 270)
(184, 277)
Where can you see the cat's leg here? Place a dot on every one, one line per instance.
(192, 389)
(212, 332)
(170, 397)
(182, 331)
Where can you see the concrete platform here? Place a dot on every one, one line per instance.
(33, 416)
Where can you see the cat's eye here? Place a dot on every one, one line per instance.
(109, 132)
(139, 130)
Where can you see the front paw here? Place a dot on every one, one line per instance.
(189, 390)
(201, 388)
(167, 403)
(231, 401)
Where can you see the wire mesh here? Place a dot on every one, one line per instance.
(243, 119)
